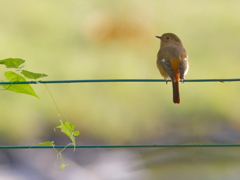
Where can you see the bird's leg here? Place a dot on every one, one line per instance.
(182, 80)
(166, 81)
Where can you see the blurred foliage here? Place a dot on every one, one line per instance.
(116, 39)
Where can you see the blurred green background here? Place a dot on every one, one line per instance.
(103, 39)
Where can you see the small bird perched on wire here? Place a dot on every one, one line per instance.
(172, 61)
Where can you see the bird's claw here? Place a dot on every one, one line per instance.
(182, 80)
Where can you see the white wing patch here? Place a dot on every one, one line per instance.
(187, 68)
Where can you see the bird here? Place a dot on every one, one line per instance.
(172, 62)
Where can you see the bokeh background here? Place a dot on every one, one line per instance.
(103, 39)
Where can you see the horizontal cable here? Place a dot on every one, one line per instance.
(117, 80)
(124, 146)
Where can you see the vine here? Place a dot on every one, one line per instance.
(19, 76)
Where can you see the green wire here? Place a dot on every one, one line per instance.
(124, 146)
(117, 80)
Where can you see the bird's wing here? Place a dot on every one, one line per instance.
(166, 64)
(183, 67)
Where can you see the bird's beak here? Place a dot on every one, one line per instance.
(159, 37)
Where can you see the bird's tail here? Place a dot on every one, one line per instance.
(176, 95)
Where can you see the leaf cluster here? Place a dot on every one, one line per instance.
(20, 76)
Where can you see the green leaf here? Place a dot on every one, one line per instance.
(31, 75)
(18, 88)
(12, 62)
(64, 165)
(47, 143)
(76, 133)
(68, 129)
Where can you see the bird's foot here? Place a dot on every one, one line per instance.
(182, 80)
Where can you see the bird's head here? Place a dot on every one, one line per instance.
(168, 39)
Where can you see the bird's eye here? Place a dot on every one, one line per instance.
(167, 38)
